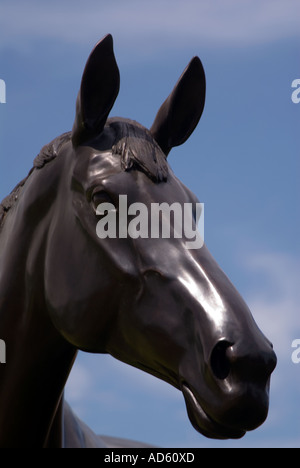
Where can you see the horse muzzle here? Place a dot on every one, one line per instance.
(236, 394)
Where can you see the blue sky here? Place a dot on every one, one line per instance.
(242, 162)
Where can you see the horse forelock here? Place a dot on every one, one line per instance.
(138, 149)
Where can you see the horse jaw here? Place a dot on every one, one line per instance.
(203, 423)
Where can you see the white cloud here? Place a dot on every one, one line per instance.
(276, 304)
(105, 383)
(145, 26)
(84, 383)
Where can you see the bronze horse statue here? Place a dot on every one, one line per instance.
(151, 303)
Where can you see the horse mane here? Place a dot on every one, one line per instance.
(47, 154)
(133, 143)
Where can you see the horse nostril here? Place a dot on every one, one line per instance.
(219, 361)
(246, 361)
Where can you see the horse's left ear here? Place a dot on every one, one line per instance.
(181, 111)
(100, 86)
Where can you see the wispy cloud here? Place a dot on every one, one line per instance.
(105, 383)
(275, 306)
(148, 25)
(276, 303)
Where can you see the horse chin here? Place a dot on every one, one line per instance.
(203, 423)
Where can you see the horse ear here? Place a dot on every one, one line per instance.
(180, 113)
(100, 86)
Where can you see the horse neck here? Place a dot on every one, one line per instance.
(38, 359)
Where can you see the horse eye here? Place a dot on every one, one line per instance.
(100, 197)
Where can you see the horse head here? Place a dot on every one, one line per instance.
(148, 301)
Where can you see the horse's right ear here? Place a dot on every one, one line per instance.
(99, 88)
(180, 113)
